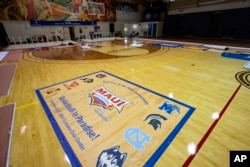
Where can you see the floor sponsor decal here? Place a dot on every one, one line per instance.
(167, 45)
(241, 56)
(102, 119)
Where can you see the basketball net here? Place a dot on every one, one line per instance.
(98, 15)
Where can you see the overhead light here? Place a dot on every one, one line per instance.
(167, 1)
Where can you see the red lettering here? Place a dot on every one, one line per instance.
(73, 84)
(111, 97)
(115, 100)
(108, 96)
(101, 91)
(120, 103)
(66, 86)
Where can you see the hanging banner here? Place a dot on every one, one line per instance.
(61, 23)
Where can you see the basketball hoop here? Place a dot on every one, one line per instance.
(97, 9)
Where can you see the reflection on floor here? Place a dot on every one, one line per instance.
(93, 50)
(37, 45)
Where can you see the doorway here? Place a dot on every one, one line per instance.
(3, 40)
(72, 33)
(111, 27)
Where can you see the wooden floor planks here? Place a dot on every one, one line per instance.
(202, 79)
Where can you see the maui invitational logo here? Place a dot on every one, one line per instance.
(107, 100)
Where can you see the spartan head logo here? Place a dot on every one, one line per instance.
(111, 158)
(155, 120)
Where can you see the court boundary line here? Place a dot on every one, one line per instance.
(26, 105)
(210, 129)
(11, 132)
(64, 143)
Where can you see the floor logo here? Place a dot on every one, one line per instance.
(71, 85)
(169, 108)
(87, 80)
(155, 120)
(111, 157)
(136, 137)
(122, 123)
(243, 78)
(53, 91)
(107, 100)
(100, 75)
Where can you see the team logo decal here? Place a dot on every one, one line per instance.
(169, 108)
(243, 78)
(71, 85)
(155, 120)
(53, 91)
(136, 137)
(107, 100)
(100, 75)
(87, 80)
(111, 158)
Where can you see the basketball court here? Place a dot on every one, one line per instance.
(129, 102)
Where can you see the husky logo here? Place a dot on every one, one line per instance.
(111, 158)
(169, 108)
(107, 100)
(155, 120)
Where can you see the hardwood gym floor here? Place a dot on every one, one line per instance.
(196, 76)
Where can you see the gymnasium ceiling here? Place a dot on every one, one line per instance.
(181, 4)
